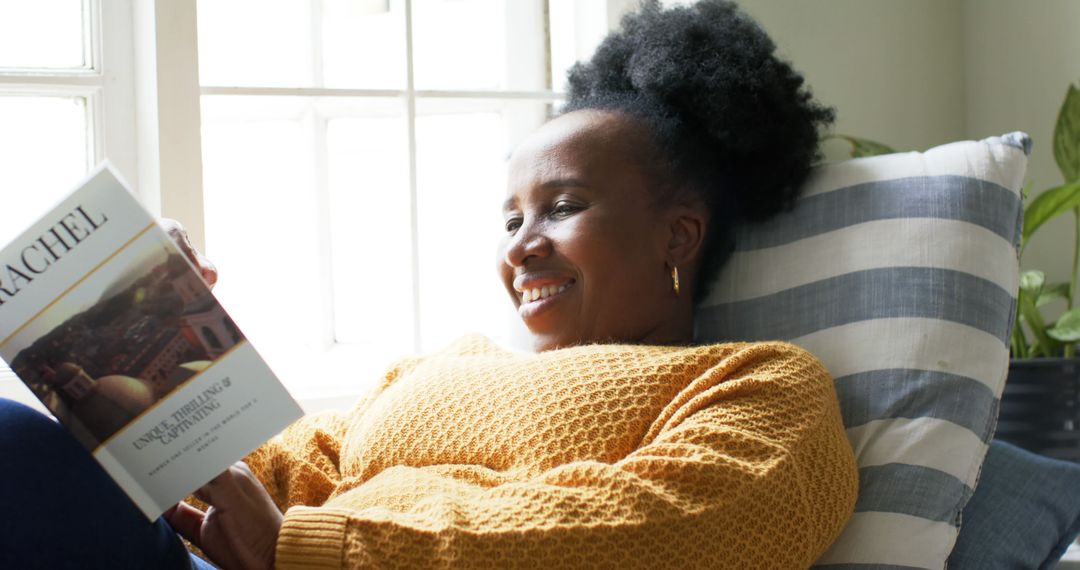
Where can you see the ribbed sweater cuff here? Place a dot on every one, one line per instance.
(311, 538)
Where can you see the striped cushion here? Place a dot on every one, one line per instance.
(900, 272)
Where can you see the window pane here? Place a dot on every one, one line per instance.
(364, 44)
(254, 42)
(576, 29)
(261, 167)
(462, 151)
(367, 175)
(258, 189)
(479, 44)
(42, 34)
(45, 152)
(279, 43)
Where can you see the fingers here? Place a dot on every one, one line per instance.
(242, 525)
(235, 484)
(179, 236)
(208, 271)
(187, 521)
(207, 493)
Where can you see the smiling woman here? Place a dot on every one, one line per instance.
(616, 444)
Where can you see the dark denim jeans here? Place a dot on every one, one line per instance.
(59, 509)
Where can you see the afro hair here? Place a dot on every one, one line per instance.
(731, 122)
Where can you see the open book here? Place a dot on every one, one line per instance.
(108, 324)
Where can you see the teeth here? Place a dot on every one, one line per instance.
(544, 292)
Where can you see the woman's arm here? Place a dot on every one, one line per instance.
(750, 468)
(234, 519)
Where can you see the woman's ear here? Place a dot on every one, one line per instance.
(686, 235)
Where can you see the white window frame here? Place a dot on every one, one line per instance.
(107, 85)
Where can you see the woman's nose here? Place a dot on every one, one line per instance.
(526, 243)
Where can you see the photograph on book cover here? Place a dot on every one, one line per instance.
(129, 333)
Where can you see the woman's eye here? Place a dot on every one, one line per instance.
(564, 208)
(513, 224)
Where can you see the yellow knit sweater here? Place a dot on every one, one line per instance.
(612, 456)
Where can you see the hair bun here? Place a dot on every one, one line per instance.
(732, 122)
(707, 76)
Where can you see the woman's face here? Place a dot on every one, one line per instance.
(584, 232)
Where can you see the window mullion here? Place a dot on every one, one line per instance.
(41, 81)
(410, 125)
(95, 135)
(298, 91)
(92, 39)
(326, 327)
(95, 102)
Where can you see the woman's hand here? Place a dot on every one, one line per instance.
(179, 235)
(240, 529)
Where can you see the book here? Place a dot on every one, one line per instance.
(109, 324)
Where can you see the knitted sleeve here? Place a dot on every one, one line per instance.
(300, 466)
(747, 467)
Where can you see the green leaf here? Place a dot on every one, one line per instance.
(1067, 135)
(1067, 329)
(1049, 205)
(1031, 282)
(863, 147)
(1018, 344)
(1051, 293)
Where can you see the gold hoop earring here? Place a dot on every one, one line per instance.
(675, 279)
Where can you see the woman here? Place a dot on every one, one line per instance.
(617, 443)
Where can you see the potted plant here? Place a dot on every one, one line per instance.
(1040, 407)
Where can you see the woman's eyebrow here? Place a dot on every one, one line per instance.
(564, 183)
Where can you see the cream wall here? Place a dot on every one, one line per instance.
(890, 68)
(1020, 58)
(918, 73)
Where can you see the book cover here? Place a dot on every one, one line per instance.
(110, 326)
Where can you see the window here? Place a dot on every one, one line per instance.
(211, 337)
(65, 105)
(351, 160)
(354, 156)
(49, 92)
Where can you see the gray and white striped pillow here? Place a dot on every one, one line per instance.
(900, 273)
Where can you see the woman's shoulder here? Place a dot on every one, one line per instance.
(780, 361)
(758, 352)
(772, 346)
(774, 356)
(479, 345)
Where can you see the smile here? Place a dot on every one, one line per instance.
(537, 293)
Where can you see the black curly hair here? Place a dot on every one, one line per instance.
(731, 122)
